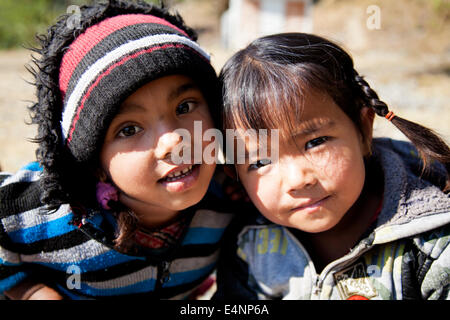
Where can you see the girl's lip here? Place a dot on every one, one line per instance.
(311, 204)
(183, 182)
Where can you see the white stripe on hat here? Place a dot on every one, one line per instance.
(90, 74)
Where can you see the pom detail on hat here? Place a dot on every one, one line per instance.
(105, 193)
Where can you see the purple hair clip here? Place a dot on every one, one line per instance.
(105, 193)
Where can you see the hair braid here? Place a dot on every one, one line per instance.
(370, 97)
(429, 145)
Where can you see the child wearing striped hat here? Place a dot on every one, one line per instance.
(106, 213)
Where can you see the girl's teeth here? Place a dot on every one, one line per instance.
(178, 173)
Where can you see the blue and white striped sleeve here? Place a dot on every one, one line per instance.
(16, 192)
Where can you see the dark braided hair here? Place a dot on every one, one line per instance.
(75, 186)
(429, 145)
(276, 69)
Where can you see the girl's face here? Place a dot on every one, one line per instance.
(319, 174)
(136, 154)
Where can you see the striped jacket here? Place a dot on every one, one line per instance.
(404, 255)
(80, 262)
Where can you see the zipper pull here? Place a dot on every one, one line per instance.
(165, 274)
(317, 288)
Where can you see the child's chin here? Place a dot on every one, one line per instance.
(318, 226)
(195, 196)
(182, 206)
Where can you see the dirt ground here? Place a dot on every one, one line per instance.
(407, 61)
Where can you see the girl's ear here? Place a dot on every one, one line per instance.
(367, 118)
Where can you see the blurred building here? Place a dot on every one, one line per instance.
(246, 20)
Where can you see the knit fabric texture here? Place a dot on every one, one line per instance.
(110, 61)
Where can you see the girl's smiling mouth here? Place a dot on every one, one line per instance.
(180, 179)
(176, 174)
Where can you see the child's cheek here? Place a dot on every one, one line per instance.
(263, 194)
(338, 164)
(345, 174)
(127, 169)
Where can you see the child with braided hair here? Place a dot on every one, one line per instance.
(343, 215)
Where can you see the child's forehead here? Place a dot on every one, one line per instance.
(291, 118)
(307, 109)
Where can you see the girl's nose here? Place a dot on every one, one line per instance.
(166, 144)
(296, 176)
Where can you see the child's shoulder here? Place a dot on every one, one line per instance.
(404, 149)
(20, 195)
(28, 173)
(406, 156)
(432, 261)
(434, 242)
(20, 186)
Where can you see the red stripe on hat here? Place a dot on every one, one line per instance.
(108, 71)
(96, 33)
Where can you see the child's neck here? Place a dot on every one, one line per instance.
(151, 222)
(327, 246)
(152, 217)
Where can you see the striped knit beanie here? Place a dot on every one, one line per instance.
(111, 60)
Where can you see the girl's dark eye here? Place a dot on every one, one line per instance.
(316, 142)
(184, 107)
(129, 131)
(259, 164)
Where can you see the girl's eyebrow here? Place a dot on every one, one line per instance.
(312, 126)
(130, 108)
(178, 91)
(172, 95)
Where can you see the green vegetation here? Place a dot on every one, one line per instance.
(21, 20)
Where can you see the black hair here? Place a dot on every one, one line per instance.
(64, 180)
(278, 70)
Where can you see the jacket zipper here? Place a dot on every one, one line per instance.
(318, 283)
(342, 262)
(317, 286)
(163, 274)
